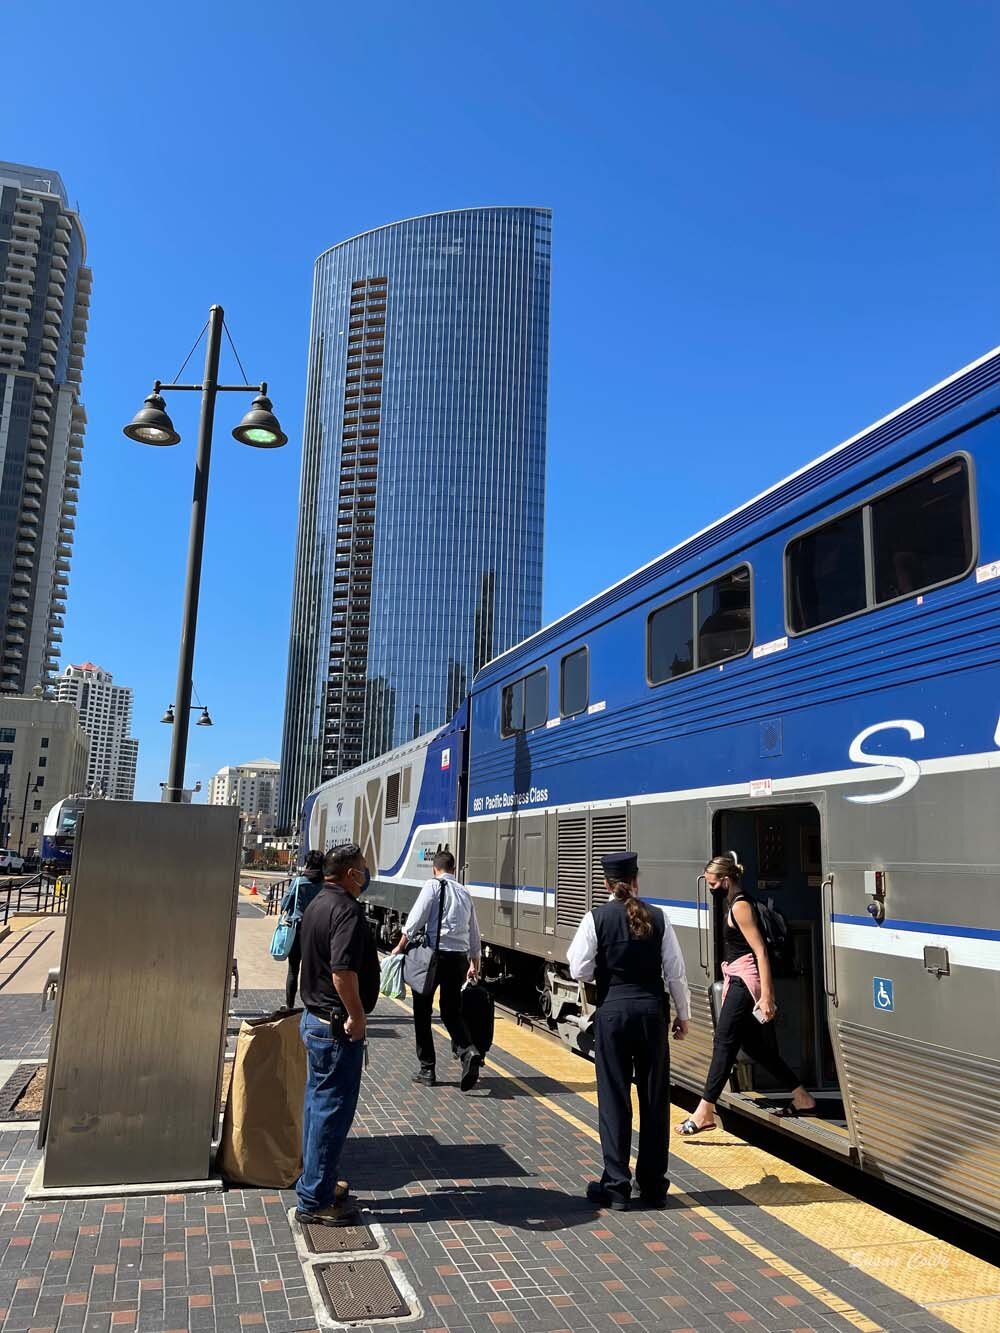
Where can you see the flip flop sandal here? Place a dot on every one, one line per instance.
(689, 1127)
(792, 1112)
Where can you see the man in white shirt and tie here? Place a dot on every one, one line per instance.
(445, 912)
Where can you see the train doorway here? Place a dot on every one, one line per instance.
(780, 847)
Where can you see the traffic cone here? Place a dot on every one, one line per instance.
(253, 889)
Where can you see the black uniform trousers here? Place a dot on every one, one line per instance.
(737, 1028)
(452, 969)
(631, 1045)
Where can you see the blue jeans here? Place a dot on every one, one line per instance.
(333, 1083)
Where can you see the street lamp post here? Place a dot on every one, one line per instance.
(24, 811)
(151, 425)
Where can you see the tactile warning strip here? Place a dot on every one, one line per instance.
(361, 1290)
(13, 1089)
(337, 1240)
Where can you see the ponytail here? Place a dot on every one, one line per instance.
(640, 923)
(726, 866)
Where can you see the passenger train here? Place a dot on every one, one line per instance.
(59, 833)
(813, 680)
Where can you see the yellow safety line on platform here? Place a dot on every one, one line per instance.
(958, 1288)
(761, 1252)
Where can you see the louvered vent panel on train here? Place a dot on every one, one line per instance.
(571, 871)
(608, 833)
(946, 1146)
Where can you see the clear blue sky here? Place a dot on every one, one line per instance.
(772, 223)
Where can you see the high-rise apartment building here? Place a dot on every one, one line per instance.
(253, 787)
(423, 478)
(44, 304)
(105, 711)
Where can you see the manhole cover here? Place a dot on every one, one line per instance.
(337, 1240)
(361, 1290)
(14, 1090)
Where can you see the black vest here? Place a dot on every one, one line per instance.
(627, 968)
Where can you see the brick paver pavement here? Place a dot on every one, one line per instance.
(480, 1199)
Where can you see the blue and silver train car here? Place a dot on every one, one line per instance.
(813, 681)
(59, 833)
(401, 809)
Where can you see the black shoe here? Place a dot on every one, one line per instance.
(472, 1062)
(426, 1077)
(596, 1193)
(343, 1213)
(652, 1201)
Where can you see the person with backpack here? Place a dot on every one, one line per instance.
(748, 1007)
(300, 893)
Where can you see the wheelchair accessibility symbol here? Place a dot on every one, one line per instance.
(882, 996)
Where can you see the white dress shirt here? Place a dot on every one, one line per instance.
(582, 957)
(459, 927)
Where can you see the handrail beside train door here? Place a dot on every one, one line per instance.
(829, 948)
(702, 929)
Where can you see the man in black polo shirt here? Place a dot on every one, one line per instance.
(339, 984)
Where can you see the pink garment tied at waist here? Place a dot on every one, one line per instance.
(744, 967)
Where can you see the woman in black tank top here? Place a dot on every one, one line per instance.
(748, 1006)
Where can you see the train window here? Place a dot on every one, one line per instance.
(407, 773)
(392, 797)
(536, 699)
(525, 703)
(512, 709)
(922, 532)
(826, 573)
(724, 617)
(574, 682)
(670, 641)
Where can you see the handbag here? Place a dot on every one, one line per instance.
(420, 960)
(284, 932)
(391, 977)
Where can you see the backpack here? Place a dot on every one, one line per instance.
(773, 927)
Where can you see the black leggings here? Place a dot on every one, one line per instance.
(292, 976)
(737, 1027)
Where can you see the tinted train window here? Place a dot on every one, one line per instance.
(512, 709)
(670, 641)
(574, 683)
(525, 704)
(826, 573)
(536, 699)
(724, 618)
(922, 533)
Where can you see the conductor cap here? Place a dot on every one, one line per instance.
(623, 866)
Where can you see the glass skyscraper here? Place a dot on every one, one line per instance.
(423, 478)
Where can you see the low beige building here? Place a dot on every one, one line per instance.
(43, 757)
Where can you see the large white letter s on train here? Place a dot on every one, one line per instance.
(908, 768)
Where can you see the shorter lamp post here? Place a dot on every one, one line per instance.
(151, 425)
(24, 810)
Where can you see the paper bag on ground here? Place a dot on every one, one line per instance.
(262, 1128)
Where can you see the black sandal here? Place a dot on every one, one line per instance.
(689, 1127)
(791, 1112)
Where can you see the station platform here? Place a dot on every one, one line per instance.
(474, 1204)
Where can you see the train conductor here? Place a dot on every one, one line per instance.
(631, 952)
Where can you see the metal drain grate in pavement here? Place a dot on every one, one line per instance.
(337, 1240)
(361, 1290)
